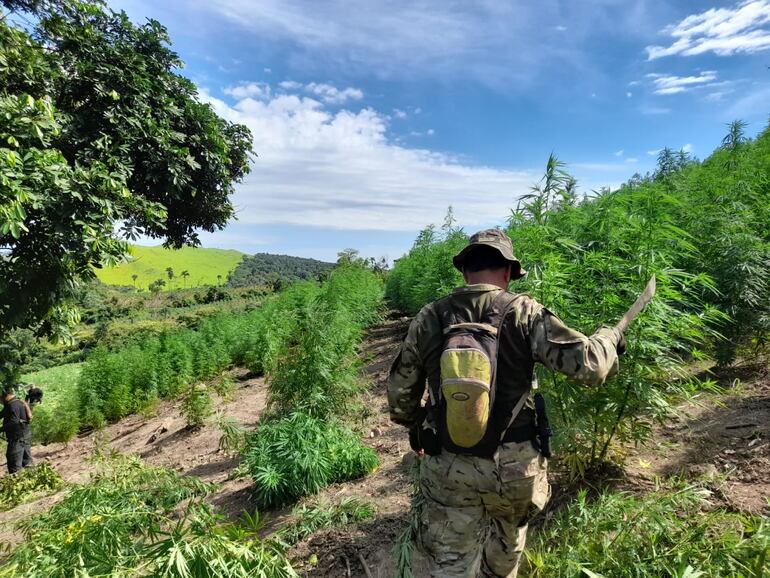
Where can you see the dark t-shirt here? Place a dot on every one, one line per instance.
(15, 418)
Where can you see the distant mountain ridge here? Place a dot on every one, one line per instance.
(276, 270)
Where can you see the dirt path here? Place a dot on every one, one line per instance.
(725, 438)
(389, 488)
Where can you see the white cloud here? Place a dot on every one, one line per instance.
(629, 94)
(398, 113)
(687, 148)
(669, 84)
(619, 153)
(632, 160)
(332, 94)
(267, 70)
(744, 27)
(654, 153)
(331, 168)
(431, 132)
(492, 42)
(326, 92)
(249, 90)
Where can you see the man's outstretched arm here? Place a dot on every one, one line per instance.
(590, 360)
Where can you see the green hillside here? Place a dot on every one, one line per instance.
(205, 266)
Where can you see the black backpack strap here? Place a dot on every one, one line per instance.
(498, 313)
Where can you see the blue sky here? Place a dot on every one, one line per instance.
(371, 118)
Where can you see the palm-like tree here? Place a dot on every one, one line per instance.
(185, 274)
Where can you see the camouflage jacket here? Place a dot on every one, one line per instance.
(530, 333)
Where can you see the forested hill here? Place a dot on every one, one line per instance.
(268, 269)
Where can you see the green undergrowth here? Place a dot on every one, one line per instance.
(114, 383)
(27, 484)
(297, 455)
(138, 520)
(133, 519)
(302, 445)
(310, 518)
(674, 531)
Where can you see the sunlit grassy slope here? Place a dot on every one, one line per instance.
(150, 263)
(54, 418)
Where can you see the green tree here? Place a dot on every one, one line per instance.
(98, 128)
(185, 274)
(347, 256)
(156, 286)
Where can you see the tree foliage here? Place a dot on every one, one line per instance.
(98, 129)
(276, 270)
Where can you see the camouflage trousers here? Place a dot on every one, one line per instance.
(474, 519)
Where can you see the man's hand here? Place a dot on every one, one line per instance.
(621, 346)
(414, 439)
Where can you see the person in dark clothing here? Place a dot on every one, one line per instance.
(34, 396)
(16, 418)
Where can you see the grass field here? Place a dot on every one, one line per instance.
(205, 266)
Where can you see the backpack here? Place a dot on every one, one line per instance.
(464, 398)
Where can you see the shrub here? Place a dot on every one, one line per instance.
(426, 273)
(318, 372)
(128, 522)
(233, 439)
(196, 406)
(673, 531)
(297, 454)
(21, 486)
(224, 386)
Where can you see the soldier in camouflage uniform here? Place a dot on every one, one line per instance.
(474, 521)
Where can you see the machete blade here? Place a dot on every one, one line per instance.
(640, 303)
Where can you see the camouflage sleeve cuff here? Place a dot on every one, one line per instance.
(610, 333)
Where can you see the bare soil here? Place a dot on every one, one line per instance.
(159, 439)
(724, 438)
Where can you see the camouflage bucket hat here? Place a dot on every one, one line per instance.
(495, 239)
